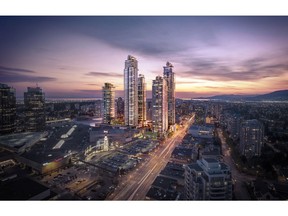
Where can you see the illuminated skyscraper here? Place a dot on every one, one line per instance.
(34, 101)
(251, 138)
(159, 105)
(168, 74)
(108, 102)
(7, 109)
(141, 99)
(131, 91)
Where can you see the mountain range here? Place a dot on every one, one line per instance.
(281, 95)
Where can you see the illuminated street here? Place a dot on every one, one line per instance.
(136, 184)
(239, 179)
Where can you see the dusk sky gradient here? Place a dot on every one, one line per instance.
(75, 56)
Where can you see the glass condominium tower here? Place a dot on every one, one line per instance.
(159, 105)
(131, 91)
(108, 102)
(7, 109)
(34, 101)
(169, 77)
(141, 99)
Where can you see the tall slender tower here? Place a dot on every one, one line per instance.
(7, 109)
(131, 91)
(141, 99)
(34, 101)
(108, 102)
(159, 105)
(169, 76)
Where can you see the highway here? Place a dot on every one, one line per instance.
(136, 184)
(239, 179)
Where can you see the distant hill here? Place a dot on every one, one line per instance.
(281, 95)
(228, 97)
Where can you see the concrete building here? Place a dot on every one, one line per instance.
(141, 100)
(251, 138)
(168, 75)
(108, 103)
(159, 105)
(7, 109)
(54, 150)
(208, 179)
(131, 91)
(34, 101)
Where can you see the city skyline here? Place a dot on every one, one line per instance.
(211, 55)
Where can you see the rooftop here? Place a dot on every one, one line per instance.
(165, 183)
(173, 170)
(19, 140)
(195, 166)
(211, 160)
(53, 147)
(43, 157)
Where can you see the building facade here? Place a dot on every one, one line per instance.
(7, 109)
(207, 179)
(141, 100)
(149, 109)
(251, 138)
(234, 125)
(108, 103)
(34, 101)
(120, 107)
(131, 91)
(159, 105)
(168, 74)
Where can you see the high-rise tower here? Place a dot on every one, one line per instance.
(108, 102)
(251, 138)
(131, 91)
(34, 101)
(168, 74)
(159, 105)
(7, 109)
(141, 99)
(120, 107)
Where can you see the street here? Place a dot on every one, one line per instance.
(239, 179)
(136, 184)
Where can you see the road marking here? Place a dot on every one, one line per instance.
(142, 181)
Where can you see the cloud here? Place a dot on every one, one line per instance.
(151, 36)
(91, 84)
(90, 91)
(2, 68)
(12, 76)
(104, 74)
(219, 70)
(188, 82)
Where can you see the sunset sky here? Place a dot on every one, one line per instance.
(75, 56)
